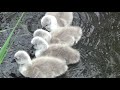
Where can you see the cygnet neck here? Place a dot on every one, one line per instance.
(39, 52)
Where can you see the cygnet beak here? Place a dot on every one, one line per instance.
(44, 29)
(14, 60)
(32, 47)
(32, 52)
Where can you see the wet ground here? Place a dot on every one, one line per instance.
(99, 45)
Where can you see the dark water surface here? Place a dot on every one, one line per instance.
(99, 46)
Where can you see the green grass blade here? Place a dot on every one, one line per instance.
(4, 49)
(10, 44)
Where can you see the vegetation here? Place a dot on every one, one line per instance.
(4, 49)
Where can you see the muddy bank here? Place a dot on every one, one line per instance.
(99, 45)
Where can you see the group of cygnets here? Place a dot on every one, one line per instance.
(53, 47)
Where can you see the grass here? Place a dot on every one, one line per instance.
(5, 30)
(4, 49)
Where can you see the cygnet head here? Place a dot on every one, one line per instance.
(43, 34)
(22, 57)
(39, 45)
(49, 23)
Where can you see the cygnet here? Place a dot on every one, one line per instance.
(61, 51)
(53, 20)
(64, 52)
(42, 67)
(66, 35)
(39, 44)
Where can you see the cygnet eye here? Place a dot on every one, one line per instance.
(16, 58)
(45, 26)
(35, 45)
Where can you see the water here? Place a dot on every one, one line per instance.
(99, 46)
